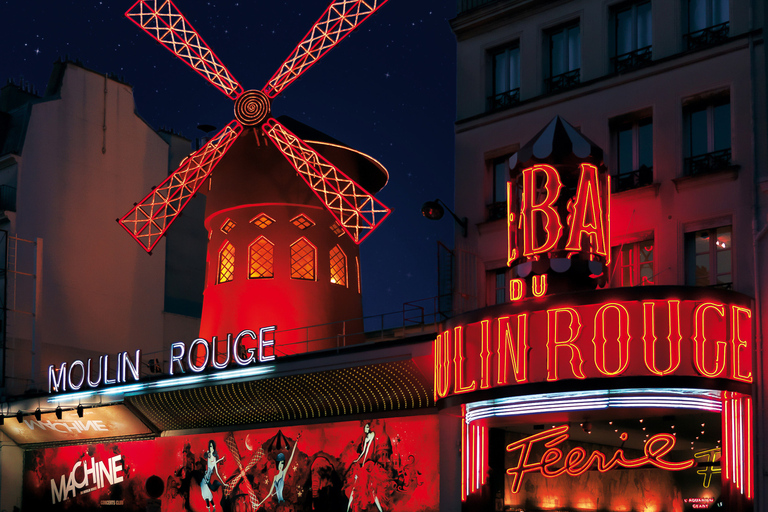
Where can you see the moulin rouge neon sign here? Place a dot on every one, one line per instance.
(655, 337)
(242, 350)
(554, 462)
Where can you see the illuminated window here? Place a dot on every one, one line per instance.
(633, 147)
(228, 226)
(303, 260)
(707, 135)
(337, 229)
(262, 220)
(338, 266)
(226, 263)
(302, 222)
(708, 22)
(505, 71)
(261, 259)
(497, 209)
(564, 45)
(632, 25)
(708, 255)
(633, 264)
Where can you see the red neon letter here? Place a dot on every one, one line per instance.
(574, 327)
(553, 228)
(458, 363)
(738, 344)
(649, 337)
(442, 364)
(512, 242)
(700, 340)
(516, 289)
(515, 350)
(587, 202)
(485, 354)
(622, 339)
(539, 286)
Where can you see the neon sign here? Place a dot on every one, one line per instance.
(201, 355)
(627, 338)
(554, 462)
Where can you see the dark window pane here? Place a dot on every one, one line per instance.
(574, 48)
(644, 31)
(558, 54)
(500, 286)
(645, 144)
(724, 262)
(722, 127)
(698, 132)
(697, 15)
(624, 32)
(702, 270)
(514, 68)
(646, 274)
(646, 252)
(719, 11)
(500, 177)
(702, 242)
(499, 73)
(625, 151)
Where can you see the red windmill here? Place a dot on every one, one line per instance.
(253, 188)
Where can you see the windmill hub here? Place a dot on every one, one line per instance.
(252, 107)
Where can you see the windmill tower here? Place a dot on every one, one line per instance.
(283, 221)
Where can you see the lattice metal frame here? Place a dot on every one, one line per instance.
(338, 261)
(226, 266)
(303, 260)
(357, 211)
(261, 259)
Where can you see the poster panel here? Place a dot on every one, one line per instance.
(384, 464)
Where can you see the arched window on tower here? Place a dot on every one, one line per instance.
(261, 259)
(226, 263)
(303, 260)
(338, 266)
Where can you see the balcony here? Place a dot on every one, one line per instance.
(7, 198)
(504, 100)
(708, 36)
(468, 5)
(630, 180)
(562, 81)
(708, 162)
(631, 60)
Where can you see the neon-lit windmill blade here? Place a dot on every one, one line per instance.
(356, 210)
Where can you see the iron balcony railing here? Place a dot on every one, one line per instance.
(7, 198)
(708, 36)
(708, 162)
(634, 179)
(468, 5)
(563, 81)
(504, 100)
(631, 60)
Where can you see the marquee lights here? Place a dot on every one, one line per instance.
(602, 340)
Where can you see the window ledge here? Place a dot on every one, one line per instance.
(492, 226)
(652, 188)
(730, 173)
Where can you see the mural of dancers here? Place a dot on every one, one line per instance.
(206, 487)
(278, 482)
(367, 474)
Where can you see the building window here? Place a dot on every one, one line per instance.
(707, 136)
(261, 259)
(633, 36)
(633, 264)
(262, 220)
(338, 266)
(226, 263)
(228, 226)
(302, 222)
(500, 286)
(633, 142)
(505, 90)
(708, 258)
(497, 208)
(564, 57)
(708, 22)
(303, 260)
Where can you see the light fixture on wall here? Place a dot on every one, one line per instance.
(80, 411)
(58, 412)
(38, 414)
(433, 210)
(19, 416)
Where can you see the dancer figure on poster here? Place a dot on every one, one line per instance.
(362, 473)
(278, 482)
(206, 487)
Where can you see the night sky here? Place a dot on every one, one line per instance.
(387, 90)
